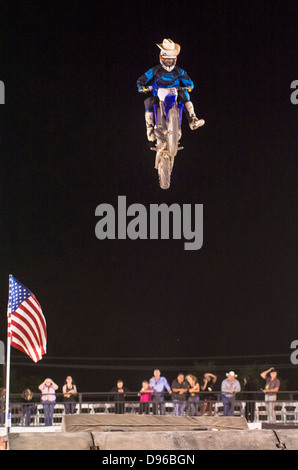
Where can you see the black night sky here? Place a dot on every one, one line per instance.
(73, 137)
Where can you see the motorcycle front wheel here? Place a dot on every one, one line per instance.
(164, 171)
(173, 132)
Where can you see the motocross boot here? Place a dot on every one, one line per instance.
(150, 126)
(193, 121)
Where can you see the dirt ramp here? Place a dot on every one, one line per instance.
(157, 440)
(288, 438)
(148, 423)
(188, 440)
(50, 441)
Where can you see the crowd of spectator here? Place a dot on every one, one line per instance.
(48, 390)
(189, 397)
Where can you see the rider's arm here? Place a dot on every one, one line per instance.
(185, 80)
(144, 80)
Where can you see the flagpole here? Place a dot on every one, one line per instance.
(7, 414)
(21, 296)
(7, 386)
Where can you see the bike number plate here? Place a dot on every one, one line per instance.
(163, 92)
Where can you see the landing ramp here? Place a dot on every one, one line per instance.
(157, 440)
(149, 423)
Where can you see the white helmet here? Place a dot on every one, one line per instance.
(168, 62)
(168, 54)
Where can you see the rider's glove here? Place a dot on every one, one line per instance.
(144, 89)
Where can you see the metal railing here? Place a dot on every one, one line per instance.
(285, 407)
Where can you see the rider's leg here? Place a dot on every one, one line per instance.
(150, 126)
(193, 121)
(149, 117)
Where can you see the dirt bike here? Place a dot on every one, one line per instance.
(167, 129)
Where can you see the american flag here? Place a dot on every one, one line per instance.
(25, 321)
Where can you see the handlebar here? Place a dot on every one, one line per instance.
(183, 88)
(147, 89)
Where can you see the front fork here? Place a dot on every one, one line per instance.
(180, 107)
(159, 112)
(161, 132)
(161, 127)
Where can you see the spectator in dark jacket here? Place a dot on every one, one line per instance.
(119, 396)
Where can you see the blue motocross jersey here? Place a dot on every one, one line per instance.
(158, 77)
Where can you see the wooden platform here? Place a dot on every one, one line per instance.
(163, 433)
(148, 423)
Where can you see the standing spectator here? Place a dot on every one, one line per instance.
(193, 398)
(69, 390)
(159, 385)
(119, 396)
(179, 390)
(145, 394)
(229, 387)
(208, 386)
(271, 388)
(29, 408)
(48, 397)
(249, 386)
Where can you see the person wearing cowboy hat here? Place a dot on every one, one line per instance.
(271, 388)
(166, 74)
(229, 387)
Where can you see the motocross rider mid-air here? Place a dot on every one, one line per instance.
(166, 75)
